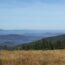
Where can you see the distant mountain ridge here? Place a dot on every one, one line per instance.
(28, 32)
(1, 30)
(18, 37)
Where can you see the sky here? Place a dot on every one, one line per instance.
(32, 14)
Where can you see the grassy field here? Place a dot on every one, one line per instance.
(50, 57)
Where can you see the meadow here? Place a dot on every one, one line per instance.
(49, 57)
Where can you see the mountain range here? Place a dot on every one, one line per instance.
(49, 43)
(13, 38)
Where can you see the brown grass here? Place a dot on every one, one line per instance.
(56, 57)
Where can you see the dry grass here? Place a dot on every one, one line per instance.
(56, 57)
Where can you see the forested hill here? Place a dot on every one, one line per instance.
(55, 42)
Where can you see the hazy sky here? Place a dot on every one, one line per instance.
(32, 14)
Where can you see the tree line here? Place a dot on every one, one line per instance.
(43, 45)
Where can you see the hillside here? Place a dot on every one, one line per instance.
(49, 43)
(55, 42)
(11, 38)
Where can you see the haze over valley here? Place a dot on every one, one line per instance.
(17, 37)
